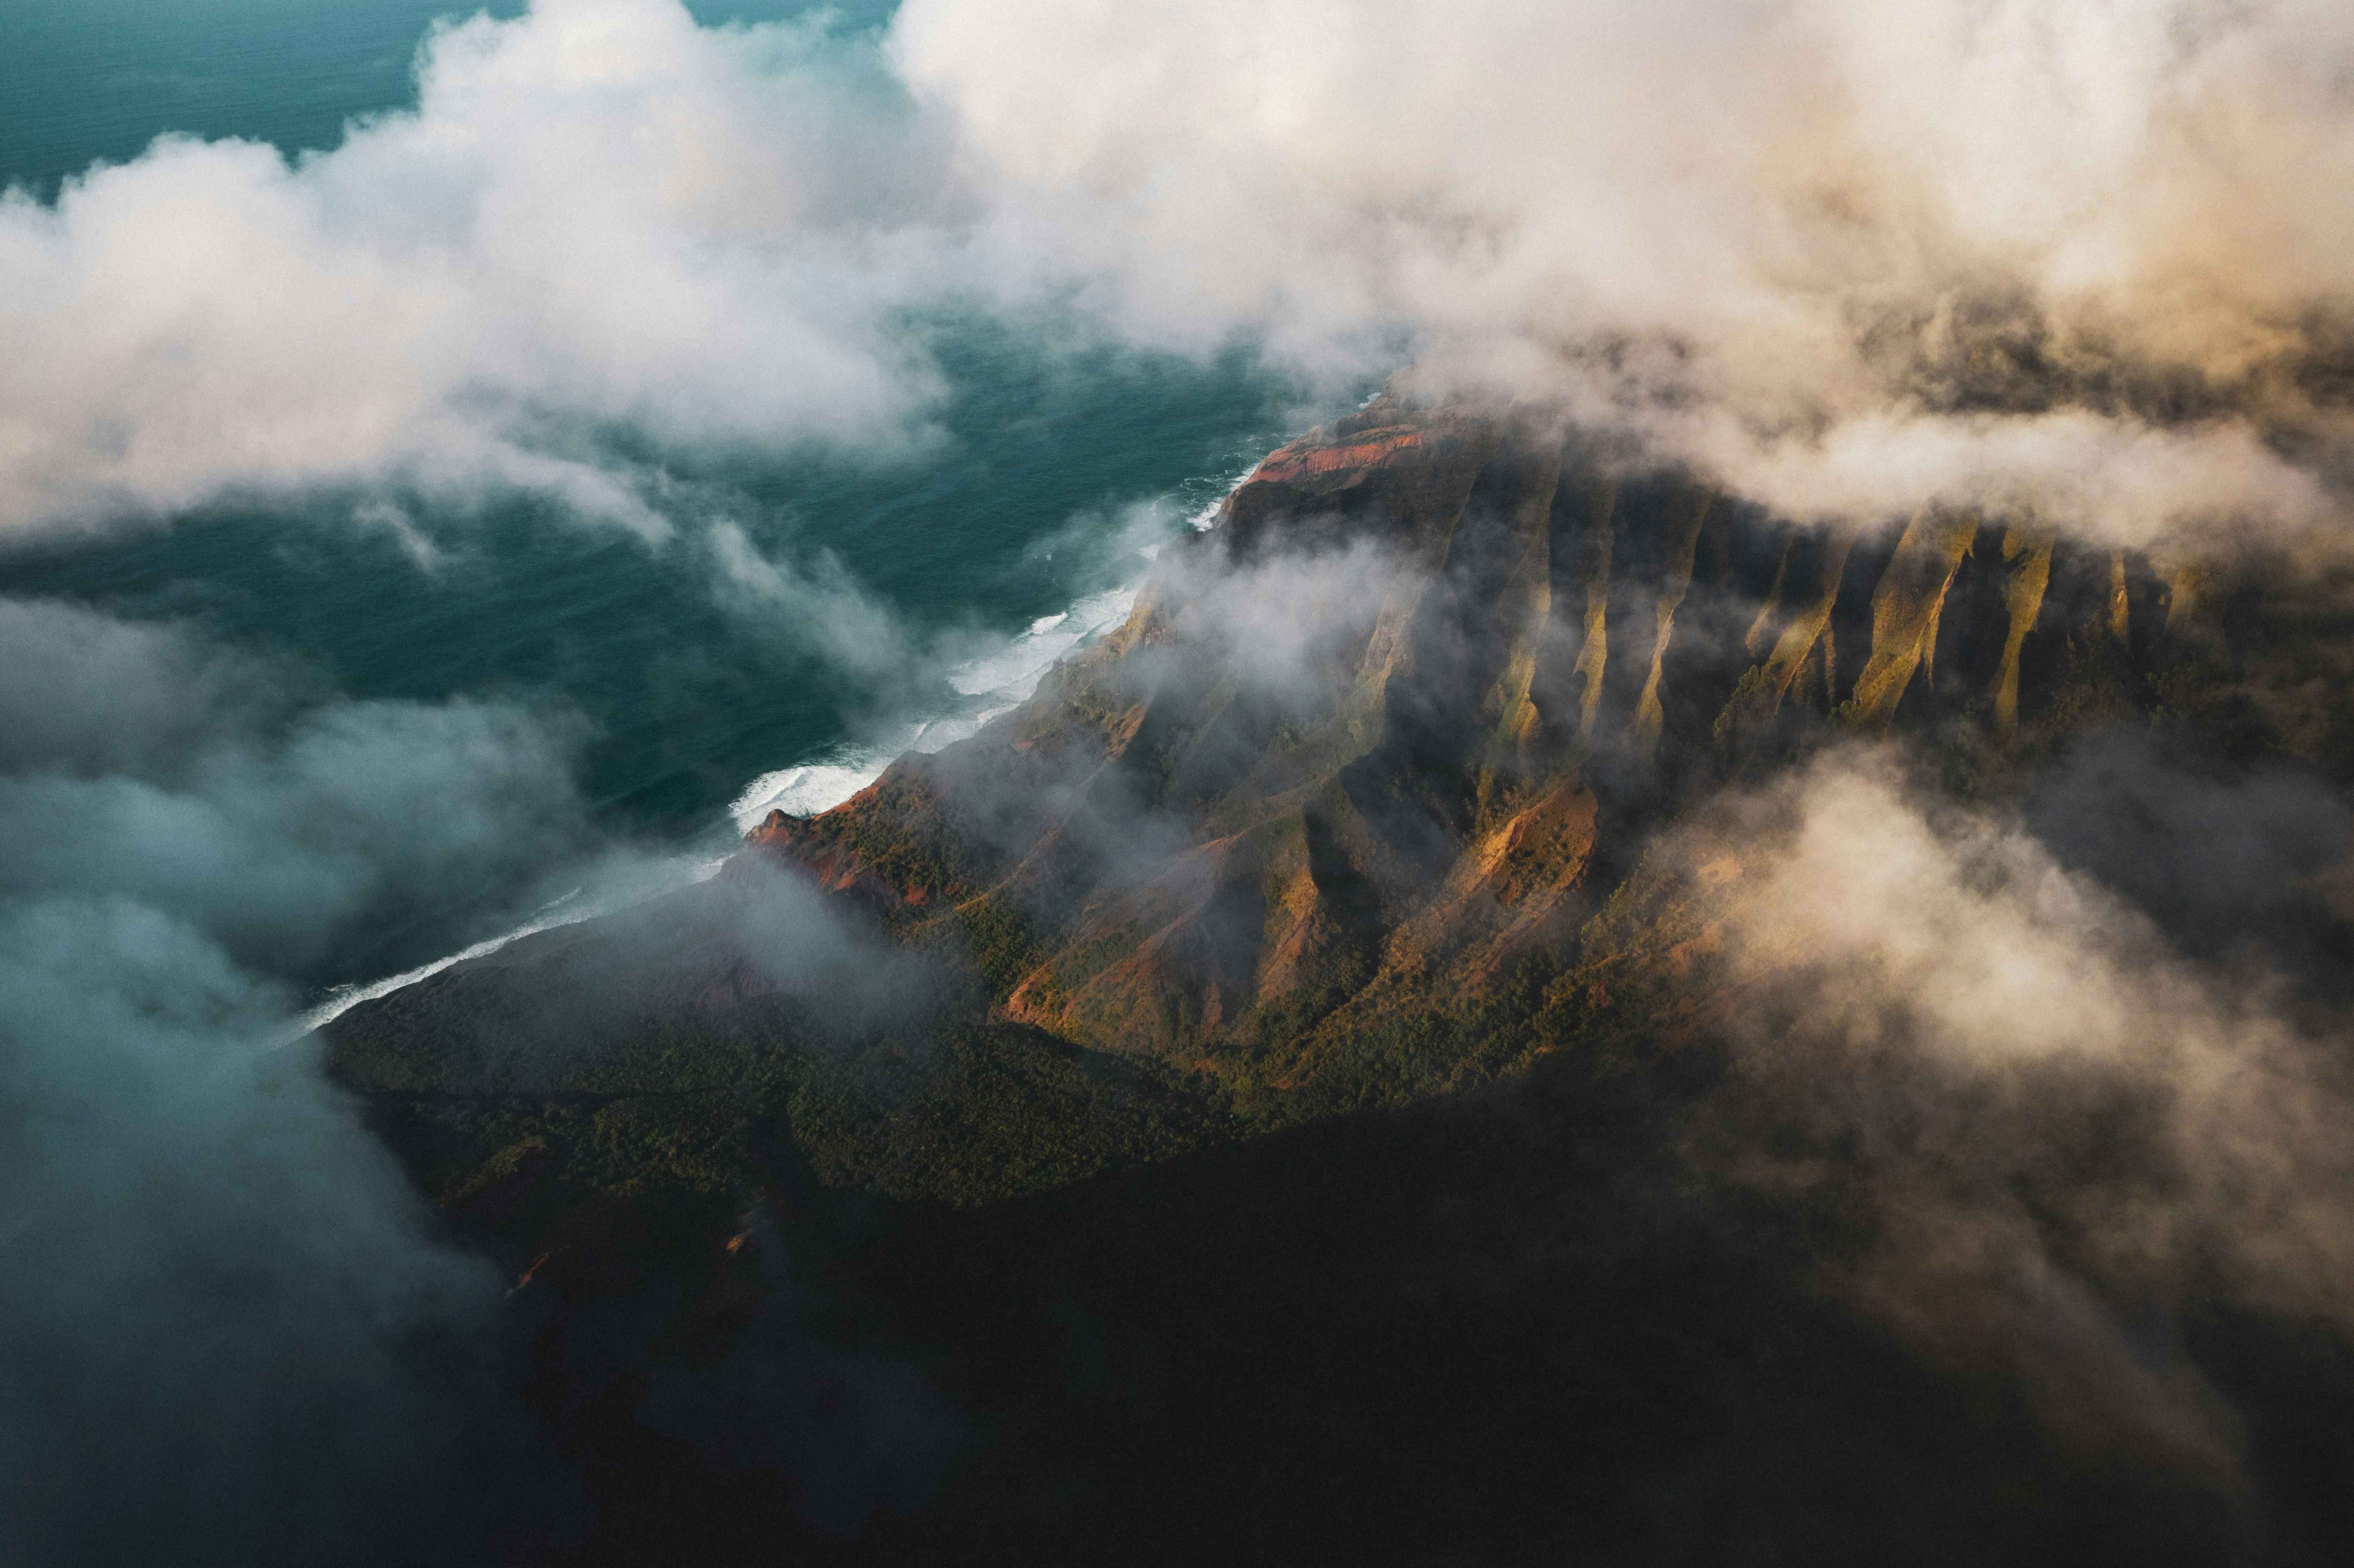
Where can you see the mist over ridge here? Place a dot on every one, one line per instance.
(1882, 987)
(1713, 927)
(1986, 255)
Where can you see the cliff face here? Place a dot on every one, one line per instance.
(1352, 808)
(1059, 1128)
(1255, 866)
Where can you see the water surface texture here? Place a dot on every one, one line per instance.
(1056, 470)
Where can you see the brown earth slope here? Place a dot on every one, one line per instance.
(1362, 767)
(1244, 1099)
(1242, 863)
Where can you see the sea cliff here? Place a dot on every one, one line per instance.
(1273, 1085)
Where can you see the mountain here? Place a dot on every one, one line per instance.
(1268, 1096)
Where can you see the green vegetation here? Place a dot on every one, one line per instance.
(973, 1114)
(990, 1111)
(1004, 946)
(1366, 1157)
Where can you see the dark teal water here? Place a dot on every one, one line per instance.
(688, 701)
(681, 703)
(88, 80)
(685, 707)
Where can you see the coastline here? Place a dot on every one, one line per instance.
(1001, 680)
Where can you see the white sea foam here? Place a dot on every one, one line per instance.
(807, 788)
(1001, 680)
(571, 909)
(1004, 678)
(1013, 672)
(1207, 518)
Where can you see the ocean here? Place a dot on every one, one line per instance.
(1023, 529)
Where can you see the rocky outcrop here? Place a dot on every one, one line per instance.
(1905, 610)
(1398, 728)
(1082, 1059)
(2025, 555)
(1188, 847)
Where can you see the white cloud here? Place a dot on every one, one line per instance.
(1783, 241)
(1975, 1015)
(599, 214)
(1832, 253)
(2031, 1135)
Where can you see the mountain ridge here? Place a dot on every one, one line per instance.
(1453, 754)
(1406, 867)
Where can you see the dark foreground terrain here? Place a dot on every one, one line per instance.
(1337, 1077)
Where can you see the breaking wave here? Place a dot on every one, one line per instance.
(995, 684)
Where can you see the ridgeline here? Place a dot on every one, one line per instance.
(1243, 1104)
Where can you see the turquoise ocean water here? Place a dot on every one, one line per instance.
(1001, 528)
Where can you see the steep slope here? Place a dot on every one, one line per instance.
(1498, 668)
(1373, 751)
(1274, 1092)
(1361, 767)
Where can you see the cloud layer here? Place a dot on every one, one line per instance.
(1848, 259)
(599, 215)
(224, 1314)
(1989, 253)
(1843, 259)
(2069, 1140)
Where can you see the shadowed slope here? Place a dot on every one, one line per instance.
(1323, 1080)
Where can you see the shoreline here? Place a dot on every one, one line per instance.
(1005, 678)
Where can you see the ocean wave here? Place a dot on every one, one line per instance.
(809, 787)
(1000, 680)
(1206, 518)
(1014, 670)
(995, 684)
(1005, 678)
(645, 882)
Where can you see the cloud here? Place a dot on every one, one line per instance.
(152, 765)
(599, 215)
(820, 609)
(217, 1284)
(231, 1330)
(1844, 259)
(228, 1330)
(2070, 1138)
(1286, 621)
(1993, 254)
(2249, 870)
(86, 695)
